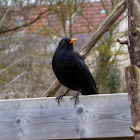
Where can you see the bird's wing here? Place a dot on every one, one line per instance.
(83, 68)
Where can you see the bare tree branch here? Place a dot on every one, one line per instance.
(26, 24)
(13, 80)
(104, 26)
(122, 41)
(12, 64)
(2, 19)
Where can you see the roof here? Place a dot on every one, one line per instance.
(91, 15)
(87, 20)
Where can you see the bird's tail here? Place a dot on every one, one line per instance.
(89, 90)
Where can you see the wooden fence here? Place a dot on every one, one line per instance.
(98, 116)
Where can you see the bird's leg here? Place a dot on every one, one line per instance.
(58, 98)
(76, 97)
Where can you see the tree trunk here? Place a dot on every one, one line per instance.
(134, 31)
(132, 72)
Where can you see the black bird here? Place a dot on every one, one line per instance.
(71, 70)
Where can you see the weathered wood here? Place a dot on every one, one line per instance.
(103, 27)
(134, 31)
(52, 89)
(133, 85)
(132, 72)
(98, 116)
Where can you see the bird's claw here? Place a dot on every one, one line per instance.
(59, 98)
(76, 97)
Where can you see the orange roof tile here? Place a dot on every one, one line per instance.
(92, 14)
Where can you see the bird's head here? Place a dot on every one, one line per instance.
(67, 42)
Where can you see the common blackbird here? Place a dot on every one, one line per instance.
(71, 70)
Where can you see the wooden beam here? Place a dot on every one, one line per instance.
(104, 27)
(134, 31)
(98, 116)
(132, 74)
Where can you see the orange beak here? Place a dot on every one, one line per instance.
(73, 40)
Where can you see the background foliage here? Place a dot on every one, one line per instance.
(26, 50)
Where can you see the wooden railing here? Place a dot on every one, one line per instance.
(98, 116)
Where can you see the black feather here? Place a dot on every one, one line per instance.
(71, 70)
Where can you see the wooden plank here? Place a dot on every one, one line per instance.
(95, 116)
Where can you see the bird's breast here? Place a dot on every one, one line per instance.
(66, 72)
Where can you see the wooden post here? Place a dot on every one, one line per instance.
(134, 31)
(133, 84)
(132, 72)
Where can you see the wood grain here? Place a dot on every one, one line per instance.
(98, 116)
(132, 74)
(134, 31)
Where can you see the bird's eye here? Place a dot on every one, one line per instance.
(63, 42)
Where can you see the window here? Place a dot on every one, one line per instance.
(102, 11)
(19, 21)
